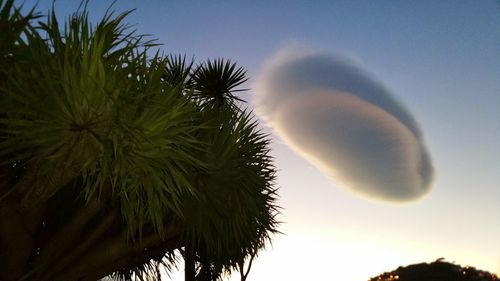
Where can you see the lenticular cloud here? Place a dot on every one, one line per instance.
(346, 123)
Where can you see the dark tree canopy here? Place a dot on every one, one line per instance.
(115, 162)
(436, 271)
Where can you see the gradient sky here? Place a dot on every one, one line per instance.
(439, 58)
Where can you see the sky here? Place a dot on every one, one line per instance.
(418, 80)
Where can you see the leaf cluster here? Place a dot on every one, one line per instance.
(158, 138)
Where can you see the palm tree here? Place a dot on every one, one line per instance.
(216, 82)
(113, 161)
(235, 158)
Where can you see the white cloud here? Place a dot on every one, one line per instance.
(346, 123)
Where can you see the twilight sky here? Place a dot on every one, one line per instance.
(418, 80)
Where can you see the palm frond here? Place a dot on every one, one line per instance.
(178, 72)
(216, 82)
(117, 124)
(236, 205)
(13, 25)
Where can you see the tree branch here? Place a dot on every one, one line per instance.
(89, 241)
(108, 252)
(189, 263)
(64, 240)
(39, 187)
(17, 227)
(16, 243)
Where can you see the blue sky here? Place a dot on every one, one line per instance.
(438, 58)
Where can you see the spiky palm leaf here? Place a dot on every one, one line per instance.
(216, 83)
(13, 24)
(178, 72)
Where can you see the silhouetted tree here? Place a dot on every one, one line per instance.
(113, 161)
(435, 271)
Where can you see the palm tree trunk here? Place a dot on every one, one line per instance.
(189, 264)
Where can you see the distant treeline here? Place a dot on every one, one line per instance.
(438, 270)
